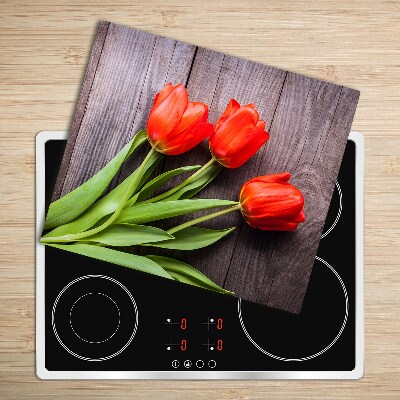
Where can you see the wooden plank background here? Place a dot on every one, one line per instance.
(44, 52)
(309, 121)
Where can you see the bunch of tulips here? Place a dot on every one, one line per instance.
(89, 223)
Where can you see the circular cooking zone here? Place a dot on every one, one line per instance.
(88, 315)
(94, 318)
(289, 337)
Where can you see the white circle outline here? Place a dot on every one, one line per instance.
(200, 364)
(338, 214)
(90, 341)
(313, 355)
(101, 358)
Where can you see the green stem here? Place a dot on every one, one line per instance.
(113, 217)
(202, 219)
(180, 186)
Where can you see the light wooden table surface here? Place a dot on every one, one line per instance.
(44, 47)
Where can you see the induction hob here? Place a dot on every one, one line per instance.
(100, 321)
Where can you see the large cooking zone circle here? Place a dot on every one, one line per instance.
(94, 318)
(310, 334)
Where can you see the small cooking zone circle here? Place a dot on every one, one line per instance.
(95, 318)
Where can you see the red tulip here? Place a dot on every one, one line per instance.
(271, 203)
(238, 135)
(176, 125)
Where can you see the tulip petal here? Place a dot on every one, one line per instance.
(272, 200)
(232, 106)
(238, 135)
(253, 144)
(163, 94)
(280, 226)
(167, 114)
(270, 221)
(194, 114)
(238, 138)
(273, 178)
(288, 212)
(241, 117)
(191, 129)
(301, 217)
(191, 139)
(230, 136)
(240, 148)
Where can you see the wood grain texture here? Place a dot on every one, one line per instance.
(270, 269)
(80, 108)
(44, 49)
(131, 68)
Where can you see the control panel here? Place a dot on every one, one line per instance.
(194, 343)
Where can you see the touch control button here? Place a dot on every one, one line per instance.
(199, 363)
(212, 364)
(187, 364)
(175, 364)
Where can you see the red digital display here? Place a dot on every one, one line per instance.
(220, 344)
(183, 323)
(183, 344)
(219, 323)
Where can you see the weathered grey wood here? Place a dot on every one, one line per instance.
(309, 122)
(80, 108)
(133, 66)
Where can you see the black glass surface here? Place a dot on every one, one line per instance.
(90, 315)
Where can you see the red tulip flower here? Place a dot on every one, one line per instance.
(270, 202)
(176, 125)
(238, 135)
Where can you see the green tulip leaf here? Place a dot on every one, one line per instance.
(104, 206)
(142, 213)
(80, 199)
(197, 184)
(132, 261)
(149, 169)
(129, 235)
(191, 192)
(193, 238)
(184, 273)
(157, 182)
